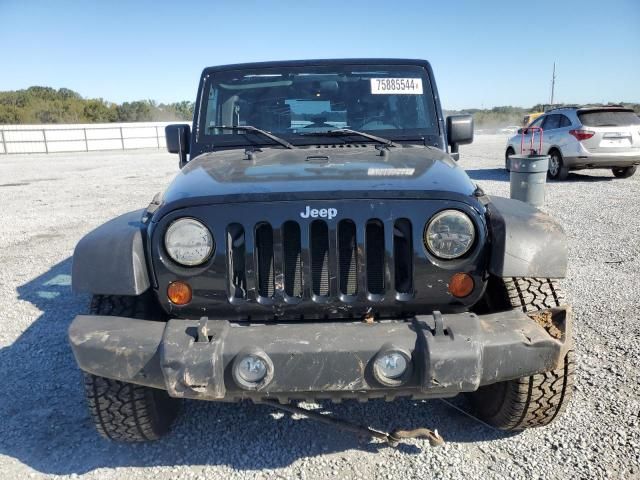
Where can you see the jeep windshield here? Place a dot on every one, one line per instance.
(394, 102)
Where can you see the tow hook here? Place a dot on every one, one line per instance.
(392, 439)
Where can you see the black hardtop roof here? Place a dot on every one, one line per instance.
(317, 62)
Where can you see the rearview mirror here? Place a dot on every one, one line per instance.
(459, 132)
(178, 137)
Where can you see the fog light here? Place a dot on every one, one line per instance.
(391, 366)
(252, 369)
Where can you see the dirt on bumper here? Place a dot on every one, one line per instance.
(448, 353)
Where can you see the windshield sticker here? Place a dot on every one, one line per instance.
(390, 172)
(396, 86)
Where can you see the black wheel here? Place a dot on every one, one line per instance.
(510, 151)
(127, 412)
(624, 172)
(557, 170)
(536, 400)
(124, 411)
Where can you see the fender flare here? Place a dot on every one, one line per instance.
(525, 242)
(110, 260)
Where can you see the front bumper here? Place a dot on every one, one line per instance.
(332, 360)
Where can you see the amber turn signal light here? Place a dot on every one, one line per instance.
(179, 293)
(461, 285)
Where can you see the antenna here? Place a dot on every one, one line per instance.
(553, 82)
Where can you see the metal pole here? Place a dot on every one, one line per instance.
(86, 143)
(553, 82)
(157, 137)
(44, 135)
(4, 143)
(121, 138)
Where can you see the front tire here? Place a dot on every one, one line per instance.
(624, 172)
(124, 411)
(536, 400)
(557, 169)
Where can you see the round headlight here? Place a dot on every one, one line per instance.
(449, 234)
(188, 242)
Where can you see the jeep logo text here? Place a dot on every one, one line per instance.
(322, 213)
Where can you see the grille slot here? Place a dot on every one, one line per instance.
(264, 252)
(374, 244)
(403, 256)
(236, 272)
(347, 258)
(292, 267)
(319, 258)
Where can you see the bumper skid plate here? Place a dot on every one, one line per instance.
(449, 354)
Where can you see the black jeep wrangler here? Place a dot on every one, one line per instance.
(320, 242)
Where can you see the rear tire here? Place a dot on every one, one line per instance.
(536, 400)
(557, 169)
(624, 172)
(510, 151)
(124, 411)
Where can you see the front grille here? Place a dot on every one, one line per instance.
(348, 259)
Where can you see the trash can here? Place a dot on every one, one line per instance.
(528, 178)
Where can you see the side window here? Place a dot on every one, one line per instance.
(552, 122)
(564, 121)
(537, 122)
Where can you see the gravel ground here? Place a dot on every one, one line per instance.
(49, 202)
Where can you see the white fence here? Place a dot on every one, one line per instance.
(81, 137)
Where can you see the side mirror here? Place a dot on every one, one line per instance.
(459, 132)
(178, 137)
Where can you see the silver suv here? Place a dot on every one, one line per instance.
(578, 138)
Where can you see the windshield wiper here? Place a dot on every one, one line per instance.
(348, 131)
(250, 128)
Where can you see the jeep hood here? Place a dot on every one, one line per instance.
(345, 171)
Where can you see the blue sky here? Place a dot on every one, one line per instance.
(484, 53)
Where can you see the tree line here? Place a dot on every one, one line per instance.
(48, 105)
